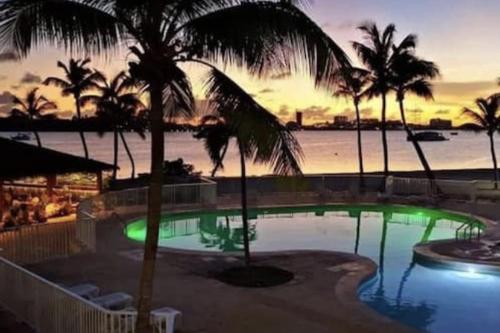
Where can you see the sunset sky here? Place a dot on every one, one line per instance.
(461, 36)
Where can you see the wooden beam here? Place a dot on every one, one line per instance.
(99, 182)
(51, 183)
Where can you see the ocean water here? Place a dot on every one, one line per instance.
(324, 152)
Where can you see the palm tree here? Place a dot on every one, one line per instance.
(378, 55)
(78, 80)
(119, 106)
(411, 75)
(33, 108)
(487, 117)
(259, 135)
(263, 37)
(352, 83)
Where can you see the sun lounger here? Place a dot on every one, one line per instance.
(85, 290)
(174, 318)
(115, 301)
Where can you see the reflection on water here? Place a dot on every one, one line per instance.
(427, 299)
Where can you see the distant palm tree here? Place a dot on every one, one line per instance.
(352, 83)
(487, 117)
(78, 80)
(118, 105)
(33, 108)
(411, 75)
(263, 37)
(378, 55)
(259, 135)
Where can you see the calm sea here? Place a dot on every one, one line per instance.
(325, 152)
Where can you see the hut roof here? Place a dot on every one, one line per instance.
(20, 160)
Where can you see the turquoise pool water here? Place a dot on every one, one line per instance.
(433, 300)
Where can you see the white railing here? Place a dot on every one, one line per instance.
(38, 243)
(134, 201)
(48, 308)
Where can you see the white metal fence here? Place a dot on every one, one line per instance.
(38, 243)
(48, 308)
(133, 201)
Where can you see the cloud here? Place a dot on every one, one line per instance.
(5, 103)
(65, 114)
(283, 112)
(30, 78)
(281, 76)
(476, 88)
(266, 91)
(8, 56)
(442, 112)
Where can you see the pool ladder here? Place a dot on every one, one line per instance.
(468, 231)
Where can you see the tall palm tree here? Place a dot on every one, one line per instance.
(32, 108)
(259, 135)
(352, 83)
(487, 117)
(119, 106)
(411, 75)
(260, 36)
(378, 55)
(78, 80)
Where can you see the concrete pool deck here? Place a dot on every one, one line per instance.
(322, 298)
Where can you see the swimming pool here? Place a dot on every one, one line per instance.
(433, 300)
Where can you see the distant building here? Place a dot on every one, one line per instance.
(340, 120)
(370, 123)
(439, 123)
(299, 117)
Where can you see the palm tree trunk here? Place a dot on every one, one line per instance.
(129, 153)
(494, 158)
(384, 135)
(37, 137)
(418, 148)
(154, 210)
(358, 233)
(244, 208)
(115, 154)
(360, 147)
(82, 136)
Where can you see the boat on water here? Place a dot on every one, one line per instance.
(21, 137)
(428, 136)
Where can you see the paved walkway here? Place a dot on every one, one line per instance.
(322, 298)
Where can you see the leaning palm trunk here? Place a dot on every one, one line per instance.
(360, 147)
(418, 149)
(244, 205)
(154, 210)
(129, 153)
(494, 158)
(37, 137)
(82, 136)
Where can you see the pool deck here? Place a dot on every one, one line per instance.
(322, 298)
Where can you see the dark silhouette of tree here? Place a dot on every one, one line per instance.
(32, 108)
(411, 75)
(78, 79)
(487, 117)
(263, 37)
(259, 135)
(378, 55)
(352, 83)
(119, 106)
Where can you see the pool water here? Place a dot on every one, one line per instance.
(433, 300)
